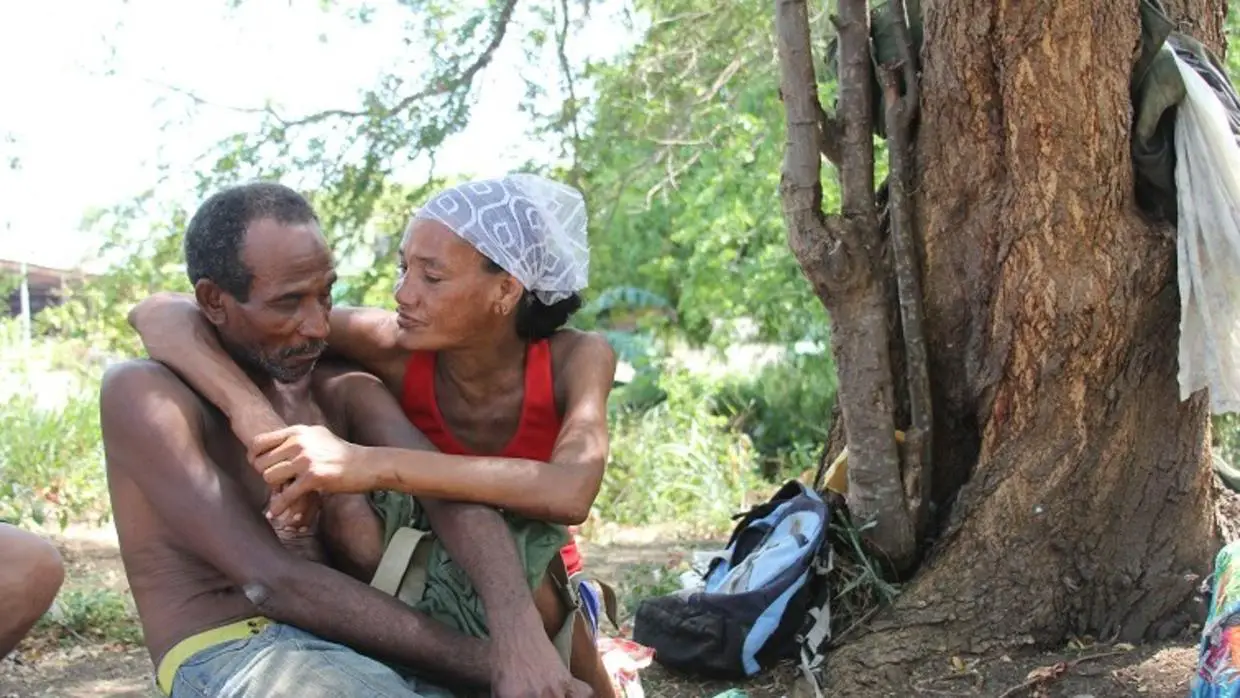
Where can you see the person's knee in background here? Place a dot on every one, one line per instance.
(31, 573)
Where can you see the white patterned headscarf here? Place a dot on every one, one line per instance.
(532, 227)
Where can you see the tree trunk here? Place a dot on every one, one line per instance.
(1078, 483)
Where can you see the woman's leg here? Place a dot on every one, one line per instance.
(586, 664)
(29, 579)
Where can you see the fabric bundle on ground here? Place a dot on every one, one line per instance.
(1218, 658)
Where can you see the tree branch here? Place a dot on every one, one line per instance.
(908, 61)
(832, 133)
(801, 183)
(839, 255)
(444, 86)
(204, 102)
(917, 451)
(856, 98)
(571, 107)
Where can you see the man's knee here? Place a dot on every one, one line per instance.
(33, 567)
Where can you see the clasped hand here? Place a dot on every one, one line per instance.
(299, 460)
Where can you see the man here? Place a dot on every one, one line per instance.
(228, 607)
(30, 576)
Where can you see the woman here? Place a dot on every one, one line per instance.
(489, 274)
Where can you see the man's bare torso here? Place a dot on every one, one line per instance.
(177, 593)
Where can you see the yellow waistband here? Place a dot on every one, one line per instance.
(173, 658)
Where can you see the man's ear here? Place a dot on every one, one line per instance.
(210, 299)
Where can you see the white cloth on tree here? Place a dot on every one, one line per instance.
(532, 227)
(1207, 178)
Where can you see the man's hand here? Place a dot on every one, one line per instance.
(298, 529)
(304, 459)
(529, 667)
(299, 519)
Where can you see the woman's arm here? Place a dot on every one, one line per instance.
(561, 491)
(176, 334)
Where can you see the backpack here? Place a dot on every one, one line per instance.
(764, 597)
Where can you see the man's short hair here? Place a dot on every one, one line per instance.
(216, 233)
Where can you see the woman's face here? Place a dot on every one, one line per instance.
(445, 296)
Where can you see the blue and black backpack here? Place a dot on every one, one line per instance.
(765, 598)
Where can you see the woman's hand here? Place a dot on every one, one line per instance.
(301, 459)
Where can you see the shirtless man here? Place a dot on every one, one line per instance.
(228, 607)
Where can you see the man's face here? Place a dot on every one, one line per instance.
(282, 327)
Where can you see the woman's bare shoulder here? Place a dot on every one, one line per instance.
(569, 345)
(581, 358)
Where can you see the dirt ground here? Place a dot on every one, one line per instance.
(44, 669)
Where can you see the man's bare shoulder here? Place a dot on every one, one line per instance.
(140, 378)
(141, 395)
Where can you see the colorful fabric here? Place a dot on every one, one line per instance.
(1218, 662)
(623, 659)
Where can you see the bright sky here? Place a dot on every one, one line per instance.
(83, 95)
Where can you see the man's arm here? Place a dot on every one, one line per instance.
(152, 432)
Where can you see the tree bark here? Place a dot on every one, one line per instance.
(1078, 483)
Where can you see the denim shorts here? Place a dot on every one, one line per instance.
(282, 661)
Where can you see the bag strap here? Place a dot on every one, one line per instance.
(402, 570)
(611, 606)
(563, 640)
(814, 639)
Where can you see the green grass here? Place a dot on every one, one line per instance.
(51, 462)
(645, 580)
(785, 409)
(676, 462)
(91, 616)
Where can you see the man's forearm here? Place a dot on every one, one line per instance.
(329, 604)
(478, 539)
(306, 546)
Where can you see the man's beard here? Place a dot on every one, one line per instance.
(278, 365)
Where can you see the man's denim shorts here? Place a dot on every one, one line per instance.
(282, 661)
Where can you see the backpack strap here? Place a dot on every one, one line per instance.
(402, 570)
(563, 639)
(610, 605)
(816, 635)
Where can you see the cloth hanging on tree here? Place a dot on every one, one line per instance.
(1207, 180)
(1186, 162)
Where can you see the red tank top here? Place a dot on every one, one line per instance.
(536, 432)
